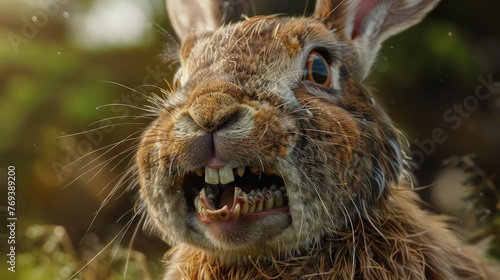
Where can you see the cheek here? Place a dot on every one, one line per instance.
(148, 150)
(335, 130)
(159, 142)
(274, 134)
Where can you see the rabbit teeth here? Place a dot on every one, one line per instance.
(256, 201)
(240, 171)
(211, 176)
(226, 174)
(222, 176)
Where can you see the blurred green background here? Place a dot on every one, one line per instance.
(66, 66)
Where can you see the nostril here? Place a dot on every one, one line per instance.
(211, 110)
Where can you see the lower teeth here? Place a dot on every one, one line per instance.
(254, 202)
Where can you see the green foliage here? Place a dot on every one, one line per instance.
(482, 201)
(52, 256)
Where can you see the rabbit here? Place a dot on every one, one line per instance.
(269, 159)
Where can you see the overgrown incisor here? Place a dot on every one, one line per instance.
(270, 160)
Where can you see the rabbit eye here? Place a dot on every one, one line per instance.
(317, 69)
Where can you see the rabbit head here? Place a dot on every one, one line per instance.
(268, 141)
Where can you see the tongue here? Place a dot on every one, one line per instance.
(226, 198)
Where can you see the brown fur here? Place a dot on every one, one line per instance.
(241, 99)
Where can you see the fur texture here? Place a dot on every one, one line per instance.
(242, 101)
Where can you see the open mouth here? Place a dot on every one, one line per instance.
(228, 194)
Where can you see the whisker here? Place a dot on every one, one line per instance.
(105, 201)
(96, 166)
(96, 129)
(126, 87)
(124, 105)
(145, 116)
(125, 228)
(134, 235)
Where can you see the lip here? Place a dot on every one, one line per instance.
(239, 232)
(245, 218)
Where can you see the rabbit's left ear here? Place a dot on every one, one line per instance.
(198, 16)
(367, 23)
(191, 16)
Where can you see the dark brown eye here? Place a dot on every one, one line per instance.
(317, 69)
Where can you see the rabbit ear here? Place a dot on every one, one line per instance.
(367, 23)
(197, 16)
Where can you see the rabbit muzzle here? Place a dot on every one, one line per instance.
(215, 169)
(228, 200)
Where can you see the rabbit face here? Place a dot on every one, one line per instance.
(323, 148)
(269, 142)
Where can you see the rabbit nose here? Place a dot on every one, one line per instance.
(211, 110)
